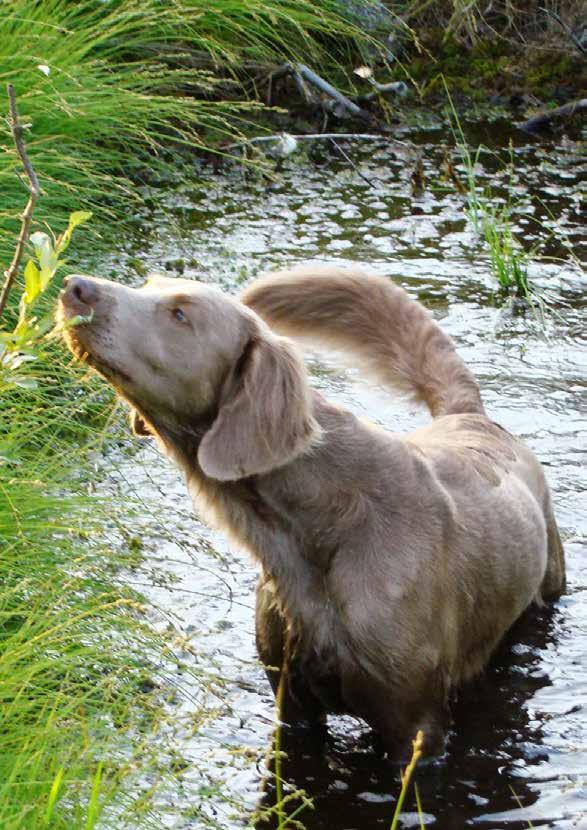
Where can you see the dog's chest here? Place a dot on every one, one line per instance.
(296, 561)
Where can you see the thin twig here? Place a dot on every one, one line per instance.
(17, 131)
(352, 163)
(567, 29)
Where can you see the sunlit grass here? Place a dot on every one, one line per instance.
(509, 261)
(407, 774)
(75, 727)
(116, 93)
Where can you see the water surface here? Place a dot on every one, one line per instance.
(517, 752)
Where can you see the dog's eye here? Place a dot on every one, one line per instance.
(179, 315)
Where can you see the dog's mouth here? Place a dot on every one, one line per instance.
(87, 353)
(82, 337)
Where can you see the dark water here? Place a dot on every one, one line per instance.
(517, 755)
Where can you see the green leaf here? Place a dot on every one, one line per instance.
(44, 325)
(78, 320)
(52, 800)
(94, 808)
(32, 281)
(46, 256)
(17, 359)
(21, 329)
(78, 217)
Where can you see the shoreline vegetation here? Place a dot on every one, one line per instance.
(113, 95)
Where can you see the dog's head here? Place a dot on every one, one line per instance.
(188, 357)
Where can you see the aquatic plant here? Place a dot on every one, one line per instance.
(509, 261)
(489, 219)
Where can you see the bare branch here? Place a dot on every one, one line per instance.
(567, 29)
(17, 134)
(344, 103)
(346, 156)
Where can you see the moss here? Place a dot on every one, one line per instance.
(494, 66)
(545, 77)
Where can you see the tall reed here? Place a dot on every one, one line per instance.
(117, 92)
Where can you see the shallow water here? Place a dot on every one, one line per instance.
(517, 751)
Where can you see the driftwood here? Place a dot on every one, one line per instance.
(17, 131)
(398, 88)
(337, 102)
(304, 76)
(344, 103)
(544, 120)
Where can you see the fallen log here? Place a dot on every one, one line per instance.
(544, 120)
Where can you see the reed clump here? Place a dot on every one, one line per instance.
(118, 93)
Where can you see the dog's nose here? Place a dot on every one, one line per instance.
(82, 289)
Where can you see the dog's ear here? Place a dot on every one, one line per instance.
(265, 417)
(139, 425)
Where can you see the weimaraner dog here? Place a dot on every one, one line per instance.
(391, 565)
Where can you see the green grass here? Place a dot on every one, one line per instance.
(115, 93)
(86, 680)
(126, 88)
(509, 261)
(74, 727)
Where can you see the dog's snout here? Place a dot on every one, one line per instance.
(83, 290)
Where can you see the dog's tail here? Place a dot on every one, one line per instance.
(393, 335)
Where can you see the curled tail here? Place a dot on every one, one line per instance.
(393, 335)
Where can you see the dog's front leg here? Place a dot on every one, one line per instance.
(398, 714)
(297, 705)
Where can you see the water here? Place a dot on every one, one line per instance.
(517, 751)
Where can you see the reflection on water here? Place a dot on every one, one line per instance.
(517, 751)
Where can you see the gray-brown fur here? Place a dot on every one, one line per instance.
(395, 337)
(391, 564)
